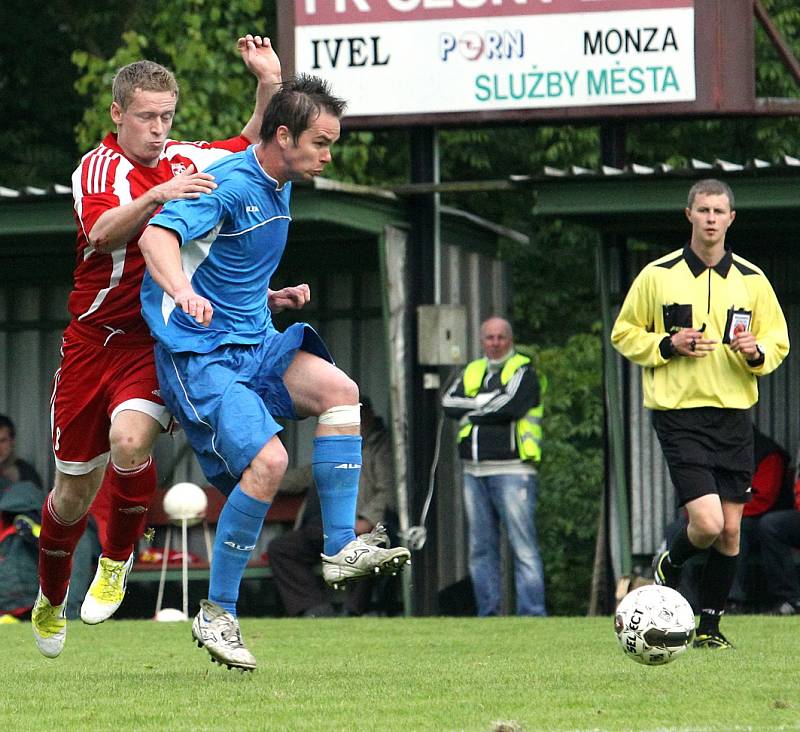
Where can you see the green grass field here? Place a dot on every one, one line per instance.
(398, 674)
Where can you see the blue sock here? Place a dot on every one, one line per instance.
(336, 463)
(238, 528)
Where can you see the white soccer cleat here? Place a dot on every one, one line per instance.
(362, 557)
(107, 590)
(49, 624)
(218, 632)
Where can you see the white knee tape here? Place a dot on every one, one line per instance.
(348, 415)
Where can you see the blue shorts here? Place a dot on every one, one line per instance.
(227, 400)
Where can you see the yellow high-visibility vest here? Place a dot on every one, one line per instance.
(529, 426)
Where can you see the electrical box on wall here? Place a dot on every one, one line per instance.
(441, 335)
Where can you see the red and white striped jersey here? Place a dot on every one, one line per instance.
(105, 294)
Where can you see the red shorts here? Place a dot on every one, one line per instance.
(93, 384)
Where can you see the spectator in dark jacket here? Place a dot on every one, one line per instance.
(20, 515)
(779, 534)
(12, 468)
(771, 462)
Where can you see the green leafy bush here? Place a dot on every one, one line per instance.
(217, 91)
(571, 475)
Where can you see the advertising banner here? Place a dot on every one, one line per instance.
(411, 57)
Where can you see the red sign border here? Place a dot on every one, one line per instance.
(385, 14)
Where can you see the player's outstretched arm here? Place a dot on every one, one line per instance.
(118, 225)
(262, 61)
(161, 250)
(289, 298)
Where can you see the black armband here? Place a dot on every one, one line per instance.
(756, 362)
(667, 347)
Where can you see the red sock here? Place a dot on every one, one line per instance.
(131, 490)
(57, 542)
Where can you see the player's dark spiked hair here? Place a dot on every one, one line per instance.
(712, 187)
(297, 104)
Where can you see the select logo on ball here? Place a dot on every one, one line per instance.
(654, 625)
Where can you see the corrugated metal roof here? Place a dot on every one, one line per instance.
(786, 163)
(322, 184)
(54, 189)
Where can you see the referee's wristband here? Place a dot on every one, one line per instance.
(756, 362)
(667, 347)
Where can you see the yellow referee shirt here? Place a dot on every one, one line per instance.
(680, 290)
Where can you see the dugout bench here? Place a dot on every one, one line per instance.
(282, 515)
(258, 595)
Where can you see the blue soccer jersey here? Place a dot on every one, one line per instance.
(232, 240)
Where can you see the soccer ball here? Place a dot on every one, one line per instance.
(185, 501)
(654, 625)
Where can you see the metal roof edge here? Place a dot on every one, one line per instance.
(498, 229)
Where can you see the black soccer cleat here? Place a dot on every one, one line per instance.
(664, 572)
(711, 640)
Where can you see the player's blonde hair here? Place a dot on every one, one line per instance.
(144, 75)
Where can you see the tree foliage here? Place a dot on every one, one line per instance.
(572, 470)
(57, 61)
(377, 157)
(37, 100)
(737, 139)
(217, 91)
(56, 101)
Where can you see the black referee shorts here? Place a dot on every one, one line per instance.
(708, 450)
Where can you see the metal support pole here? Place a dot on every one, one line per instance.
(185, 567)
(616, 478)
(163, 577)
(422, 289)
(613, 153)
